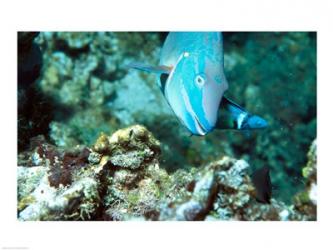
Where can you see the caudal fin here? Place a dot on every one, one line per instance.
(233, 116)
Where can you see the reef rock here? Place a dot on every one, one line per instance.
(120, 178)
(224, 191)
(306, 201)
(62, 189)
(83, 184)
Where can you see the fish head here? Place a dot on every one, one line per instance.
(194, 90)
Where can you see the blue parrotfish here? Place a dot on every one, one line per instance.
(191, 77)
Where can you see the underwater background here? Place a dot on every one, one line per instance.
(74, 89)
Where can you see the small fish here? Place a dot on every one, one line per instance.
(262, 183)
(191, 77)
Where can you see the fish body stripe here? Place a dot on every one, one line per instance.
(194, 121)
(194, 92)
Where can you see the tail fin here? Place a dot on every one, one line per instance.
(233, 116)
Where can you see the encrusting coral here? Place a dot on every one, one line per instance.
(306, 201)
(120, 178)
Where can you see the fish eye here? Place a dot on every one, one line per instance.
(200, 80)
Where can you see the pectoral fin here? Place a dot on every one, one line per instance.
(151, 69)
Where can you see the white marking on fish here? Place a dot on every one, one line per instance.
(190, 110)
(240, 120)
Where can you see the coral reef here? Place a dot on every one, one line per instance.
(306, 201)
(56, 185)
(119, 178)
(86, 78)
(77, 162)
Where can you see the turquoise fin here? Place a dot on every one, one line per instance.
(149, 68)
